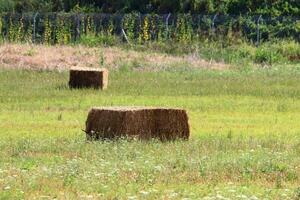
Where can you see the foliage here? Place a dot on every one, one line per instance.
(63, 32)
(7, 5)
(268, 53)
(64, 28)
(47, 32)
(266, 56)
(221, 38)
(15, 30)
(129, 25)
(102, 39)
(1, 26)
(233, 7)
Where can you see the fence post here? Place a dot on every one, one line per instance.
(167, 25)
(78, 20)
(123, 31)
(213, 24)
(258, 31)
(34, 26)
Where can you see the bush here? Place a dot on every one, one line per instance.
(245, 51)
(6, 6)
(289, 49)
(265, 55)
(96, 40)
(278, 51)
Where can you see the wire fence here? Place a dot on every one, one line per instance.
(62, 28)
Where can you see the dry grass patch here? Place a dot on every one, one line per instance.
(28, 56)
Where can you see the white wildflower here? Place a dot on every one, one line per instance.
(7, 188)
(253, 198)
(144, 192)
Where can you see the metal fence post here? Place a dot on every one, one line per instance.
(34, 26)
(213, 24)
(123, 31)
(167, 24)
(78, 20)
(258, 31)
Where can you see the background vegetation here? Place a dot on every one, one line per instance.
(262, 31)
(264, 40)
(233, 7)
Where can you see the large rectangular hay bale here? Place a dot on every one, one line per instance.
(88, 78)
(138, 122)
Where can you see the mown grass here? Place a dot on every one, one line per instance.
(245, 140)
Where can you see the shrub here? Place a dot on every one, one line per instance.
(265, 55)
(6, 5)
(245, 51)
(289, 49)
(96, 40)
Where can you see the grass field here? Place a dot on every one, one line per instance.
(245, 140)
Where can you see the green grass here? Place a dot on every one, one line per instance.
(245, 141)
(235, 51)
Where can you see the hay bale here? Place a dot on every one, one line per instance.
(88, 78)
(137, 122)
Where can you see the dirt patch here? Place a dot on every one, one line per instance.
(42, 57)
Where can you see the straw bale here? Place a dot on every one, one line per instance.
(88, 78)
(137, 122)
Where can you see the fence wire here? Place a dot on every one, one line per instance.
(53, 28)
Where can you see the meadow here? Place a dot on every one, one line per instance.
(245, 136)
(233, 65)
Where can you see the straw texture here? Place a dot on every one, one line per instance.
(143, 123)
(88, 78)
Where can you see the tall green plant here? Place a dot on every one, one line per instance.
(47, 31)
(128, 24)
(63, 32)
(161, 31)
(11, 35)
(28, 33)
(90, 26)
(146, 29)
(20, 30)
(184, 28)
(1, 28)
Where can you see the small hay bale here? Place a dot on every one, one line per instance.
(88, 78)
(137, 122)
